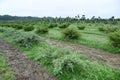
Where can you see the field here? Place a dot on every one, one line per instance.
(68, 49)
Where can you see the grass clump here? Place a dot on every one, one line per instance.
(108, 29)
(64, 25)
(5, 72)
(81, 27)
(52, 25)
(71, 33)
(21, 38)
(115, 38)
(41, 30)
(25, 39)
(28, 28)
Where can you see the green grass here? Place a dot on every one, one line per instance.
(5, 72)
(91, 36)
(52, 59)
(66, 65)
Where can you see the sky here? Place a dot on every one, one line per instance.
(63, 8)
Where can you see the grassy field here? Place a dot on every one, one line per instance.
(5, 72)
(62, 63)
(91, 36)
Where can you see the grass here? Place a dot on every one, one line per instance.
(91, 36)
(5, 72)
(66, 65)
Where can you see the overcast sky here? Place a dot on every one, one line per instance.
(102, 8)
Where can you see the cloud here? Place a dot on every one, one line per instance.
(103, 8)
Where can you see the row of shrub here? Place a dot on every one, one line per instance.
(108, 29)
(20, 38)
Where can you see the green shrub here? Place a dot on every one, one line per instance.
(71, 33)
(108, 29)
(41, 30)
(81, 27)
(52, 25)
(25, 39)
(115, 38)
(111, 29)
(28, 28)
(70, 63)
(16, 26)
(2, 29)
(101, 29)
(64, 25)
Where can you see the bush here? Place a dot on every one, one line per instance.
(52, 25)
(28, 28)
(101, 29)
(25, 39)
(108, 29)
(81, 27)
(64, 25)
(70, 63)
(115, 38)
(2, 29)
(41, 30)
(71, 33)
(16, 26)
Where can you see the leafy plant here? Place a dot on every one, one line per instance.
(41, 30)
(115, 38)
(81, 27)
(52, 25)
(71, 33)
(26, 39)
(64, 25)
(28, 28)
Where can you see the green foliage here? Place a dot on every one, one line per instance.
(115, 38)
(52, 25)
(21, 38)
(42, 30)
(71, 33)
(81, 27)
(108, 29)
(28, 28)
(26, 39)
(5, 72)
(101, 29)
(67, 65)
(16, 26)
(64, 25)
(71, 63)
(2, 29)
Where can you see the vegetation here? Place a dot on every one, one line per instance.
(115, 38)
(42, 30)
(71, 33)
(52, 25)
(81, 27)
(64, 25)
(62, 63)
(28, 28)
(5, 72)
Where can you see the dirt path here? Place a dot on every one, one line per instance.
(24, 68)
(94, 54)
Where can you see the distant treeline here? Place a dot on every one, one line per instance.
(77, 18)
(8, 17)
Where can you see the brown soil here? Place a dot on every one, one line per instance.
(107, 58)
(24, 68)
